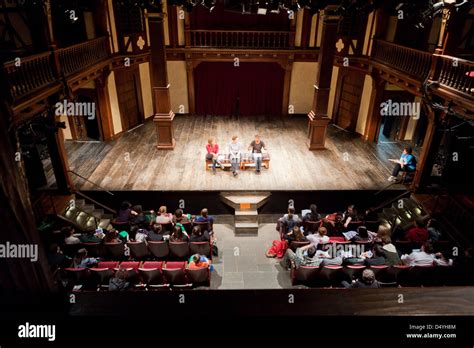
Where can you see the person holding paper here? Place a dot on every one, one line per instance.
(406, 163)
(256, 147)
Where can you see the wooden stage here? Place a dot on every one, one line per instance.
(132, 162)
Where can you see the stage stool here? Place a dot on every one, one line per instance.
(201, 248)
(175, 273)
(138, 250)
(200, 276)
(159, 250)
(179, 250)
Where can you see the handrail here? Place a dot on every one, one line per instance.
(93, 183)
(82, 194)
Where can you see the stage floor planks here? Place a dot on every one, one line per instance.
(132, 162)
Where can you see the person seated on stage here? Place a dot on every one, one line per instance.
(178, 235)
(367, 281)
(255, 148)
(205, 217)
(424, 257)
(289, 220)
(163, 216)
(69, 234)
(313, 215)
(406, 163)
(156, 232)
(124, 212)
(304, 256)
(197, 235)
(212, 149)
(349, 215)
(295, 235)
(234, 154)
(319, 237)
(419, 233)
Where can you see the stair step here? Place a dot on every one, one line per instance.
(104, 223)
(107, 216)
(89, 208)
(246, 212)
(246, 228)
(80, 202)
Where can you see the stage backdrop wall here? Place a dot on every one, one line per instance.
(249, 89)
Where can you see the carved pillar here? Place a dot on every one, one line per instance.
(286, 86)
(373, 115)
(318, 118)
(164, 116)
(190, 76)
(104, 106)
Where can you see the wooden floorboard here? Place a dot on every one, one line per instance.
(132, 162)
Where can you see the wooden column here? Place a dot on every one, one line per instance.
(306, 28)
(288, 66)
(104, 106)
(318, 118)
(173, 25)
(164, 116)
(371, 131)
(18, 275)
(190, 76)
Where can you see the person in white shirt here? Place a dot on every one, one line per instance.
(424, 257)
(70, 237)
(319, 237)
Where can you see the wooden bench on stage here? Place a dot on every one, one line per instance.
(246, 161)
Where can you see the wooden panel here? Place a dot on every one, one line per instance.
(129, 96)
(350, 89)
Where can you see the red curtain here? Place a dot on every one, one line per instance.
(249, 89)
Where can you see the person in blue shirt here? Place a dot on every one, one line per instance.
(406, 163)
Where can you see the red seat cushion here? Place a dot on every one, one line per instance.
(130, 264)
(108, 264)
(175, 264)
(152, 264)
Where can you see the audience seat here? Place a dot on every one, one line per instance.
(138, 250)
(167, 227)
(76, 276)
(311, 226)
(151, 274)
(115, 251)
(202, 248)
(120, 226)
(331, 275)
(108, 264)
(200, 276)
(93, 249)
(306, 275)
(159, 250)
(179, 250)
(100, 277)
(353, 272)
(380, 272)
(175, 273)
(397, 273)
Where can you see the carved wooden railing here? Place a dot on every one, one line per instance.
(455, 73)
(239, 39)
(29, 74)
(75, 58)
(413, 62)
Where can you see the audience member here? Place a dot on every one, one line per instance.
(419, 233)
(205, 217)
(70, 238)
(367, 281)
(433, 230)
(119, 281)
(137, 215)
(388, 250)
(124, 212)
(56, 258)
(82, 261)
(319, 237)
(178, 235)
(423, 257)
(198, 261)
(155, 233)
(197, 235)
(289, 220)
(181, 218)
(378, 258)
(443, 258)
(112, 236)
(304, 256)
(89, 236)
(163, 216)
(295, 235)
(349, 215)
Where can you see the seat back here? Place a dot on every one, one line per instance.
(175, 273)
(397, 273)
(115, 250)
(152, 264)
(200, 276)
(311, 226)
(188, 227)
(138, 250)
(331, 275)
(205, 226)
(167, 227)
(120, 226)
(353, 272)
(380, 272)
(101, 276)
(151, 276)
(71, 249)
(179, 250)
(306, 275)
(202, 248)
(93, 249)
(159, 250)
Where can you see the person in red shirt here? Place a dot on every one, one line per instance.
(419, 233)
(212, 150)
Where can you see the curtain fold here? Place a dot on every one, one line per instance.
(250, 89)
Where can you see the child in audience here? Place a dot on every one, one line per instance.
(295, 235)
(164, 217)
(198, 261)
(178, 235)
(70, 238)
(367, 281)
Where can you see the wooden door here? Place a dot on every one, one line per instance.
(348, 102)
(129, 97)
